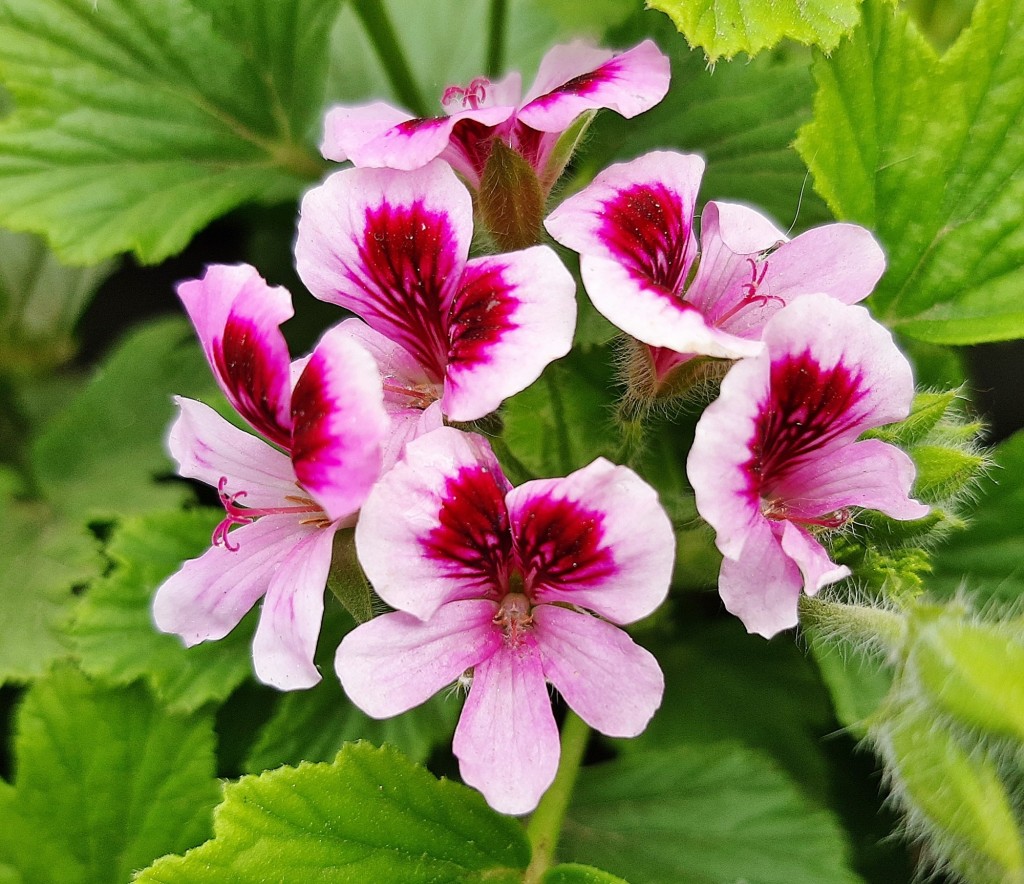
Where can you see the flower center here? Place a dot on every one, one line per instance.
(420, 396)
(241, 515)
(471, 96)
(750, 295)
(777, 511)
(514, 617)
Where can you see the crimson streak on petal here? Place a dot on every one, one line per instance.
(411, 267)
(481, 314)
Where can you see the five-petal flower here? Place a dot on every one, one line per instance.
(326, 417)
(393, 247)
(634, 229)
(506, 582)
(776, 457)
(572, 80)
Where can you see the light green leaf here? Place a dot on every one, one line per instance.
(40, 301)
(44, 557)
(727, 27)
(741, 117)
(313, 725)
(139, 121)
(106, 781)
(563, 421)
(723, 28)
(99, 456)
(370, 816)
(988, 556)
(928, 151)
(113, 633)
(708, 814)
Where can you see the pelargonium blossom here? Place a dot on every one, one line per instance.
(517, 587)
(572, 80)
(325, 418)
(393, 247)
(776, 458)
(634, 229)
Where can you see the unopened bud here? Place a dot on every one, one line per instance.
(511, 199)
(346, 578)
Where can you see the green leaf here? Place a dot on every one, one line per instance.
(928, 151)
(44, 557)
(40, 301)
(106, 781)
(99, 457)
(370, 816)
(987, 556)
(314, 725)
(702, 814)
(139, 121)
(727, 27)
(562, 422)
(719, 681)
(741, 117)
(113, 633)
(573, 873)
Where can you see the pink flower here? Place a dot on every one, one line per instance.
(571, 80)
(634, 229)
(326, 417)
(520, 586)
(393, 248)
(776, 459)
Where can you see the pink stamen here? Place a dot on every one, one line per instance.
(776, 511)
(239, 515)
(419, 397)
(751, 297)
(472, 95)
(514, 617)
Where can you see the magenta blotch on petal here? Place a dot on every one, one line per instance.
(776, 460)
(480, 573)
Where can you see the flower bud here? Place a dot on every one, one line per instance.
(972, 671)
(511, 199)
(346, 578)
(954, 797)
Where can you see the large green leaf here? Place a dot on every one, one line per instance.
(313, 725)
(719, 681)
(726, 27)
(703, 814)
(989, 556)
(929, 152)
(138, 121)
(113, 633)
(741, 117)
(369, 816)
(107, 780)
(99, 456)
(44, 557)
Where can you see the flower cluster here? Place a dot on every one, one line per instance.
(506, 588)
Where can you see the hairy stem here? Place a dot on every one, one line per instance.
(546, 823)
(382, 34)
(856, 623)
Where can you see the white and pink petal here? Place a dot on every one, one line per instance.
(396, 661)
(391, 247)
(598, 539)
(507, 741)
(612, 683)
(339, 424)
(435, 527)
(512, 315)
(575, 78)
(293, 609)
(237, 317)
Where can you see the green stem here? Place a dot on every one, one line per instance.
(855, 622)
(633, 436)
(496, 37)
(546, 823)
(382, 34)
